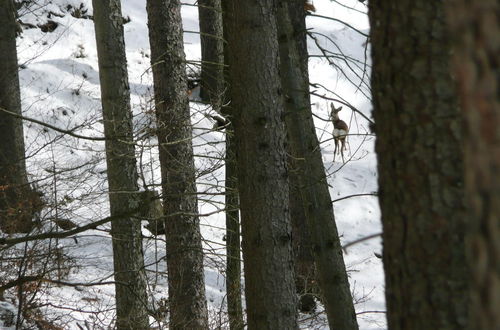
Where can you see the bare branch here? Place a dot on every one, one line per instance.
(340, 21)
(60, 130)
(355, 195)
(362, 239)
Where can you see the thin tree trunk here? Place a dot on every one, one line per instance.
(262, 172)
(188, 306)
(476, 34)
(305, 271)
(131, 296)
(302, 243)
(15, 211)
(212, 59)
(233, 259)
(233, 243)
(312, 179)
(420, 163)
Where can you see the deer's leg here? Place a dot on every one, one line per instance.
(342, 148)
(336, 146)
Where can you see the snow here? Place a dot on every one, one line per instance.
(60, 86)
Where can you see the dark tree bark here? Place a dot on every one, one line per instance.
(302, 245)
(16, 199)
(475, 31)
(188, 307)
(131, 296)
(212, 51)
(311, 178)
(233, 241)
(233, 259)
(420, 163)
(262, 172)
(305, 271)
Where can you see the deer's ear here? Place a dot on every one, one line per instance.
(332, 106)
(339, 108)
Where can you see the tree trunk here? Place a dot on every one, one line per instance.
(188, 306)
(475, 33)
(233, 259)
(212, 59)
(420, 163)
(303, 245)
(262, 172)
(311, 177)
(15, 199)
(233, 243)
(131, 296)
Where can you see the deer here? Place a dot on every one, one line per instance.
(340, 130)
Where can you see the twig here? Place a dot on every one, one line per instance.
(340, 21)
(362, 239)
(60, 130)
(355, 195)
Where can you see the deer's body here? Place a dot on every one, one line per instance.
(340, 131)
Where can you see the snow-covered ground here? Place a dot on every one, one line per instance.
(60, 86)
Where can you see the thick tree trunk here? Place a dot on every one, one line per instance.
(188, 306)
(262, 172)
(131, 296)
(212, 51)
(233, 241)
(15, 198)
(475, 31)
(420, 156)
(312, 179)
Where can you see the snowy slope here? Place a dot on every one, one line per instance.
(60, 86)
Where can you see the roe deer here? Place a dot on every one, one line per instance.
(340, 130)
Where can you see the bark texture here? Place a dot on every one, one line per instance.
(17, 203)
(233, 240)
(420, 162)
(306, 281)
(262, 171)
(188, 307)
(303, 247)
(310, 174)
(131, 296)
(212, 51)
(475, 31)
(233, 259)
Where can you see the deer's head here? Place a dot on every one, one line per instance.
(334, 114)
